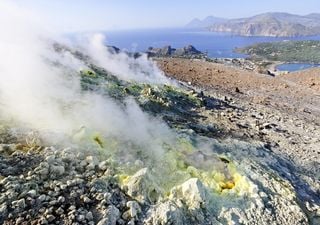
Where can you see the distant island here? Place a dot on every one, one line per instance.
(285, 51)
(267, 24)
(206, 22)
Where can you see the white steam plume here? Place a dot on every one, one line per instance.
(38, 95)
(139, 69)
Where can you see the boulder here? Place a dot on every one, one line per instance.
(134, 208)
(193, 193)
(111, 216)
(166, 213)
(142, 187)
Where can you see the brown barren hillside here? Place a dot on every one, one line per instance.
(282, 111)
(295, 91)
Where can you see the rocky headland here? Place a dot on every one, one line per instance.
(268, 24)
(285, 51)
(188, 51)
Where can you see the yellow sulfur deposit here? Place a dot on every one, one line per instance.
(98, 140)
(123, 178)
(219, 181)
(223, 176)
(185, 146)
(89, 73)
(227, 185)
(219, 174)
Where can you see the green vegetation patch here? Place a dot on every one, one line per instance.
(285, 51)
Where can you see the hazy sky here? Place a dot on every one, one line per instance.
(76, 15)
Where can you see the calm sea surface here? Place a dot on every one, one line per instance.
(215, 44)
(291, 67)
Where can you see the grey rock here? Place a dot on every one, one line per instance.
(3, 211)
(100, 196)
(61, 199)
(103, 165)
(166, 213)
(143, 187)
(50, 159)
(89, 216)
(32, 193)
(86, 199)
(42, 210)
(81, 218)
(19, 204)
(99, 185)
(111, 216)
(44, 165)
(60, 211)
(53, 202)
(44, 172)
(57, 170)
(19, 220)
(131, 222)
(43, 221)
(193, 192)
(50, 218)
(134, 208)
(75, 182)
(92, 162)
(8, 149)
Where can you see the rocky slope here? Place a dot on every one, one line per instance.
(271, 24)
(237, 153)
(280, 111)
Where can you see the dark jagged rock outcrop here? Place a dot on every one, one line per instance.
(113, 49)
(164, 51)
(167, 51)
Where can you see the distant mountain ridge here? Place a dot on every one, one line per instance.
(206, 22)
(271, 24)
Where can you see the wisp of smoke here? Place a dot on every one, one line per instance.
(37, 94)
(139, 69)
(40, 89)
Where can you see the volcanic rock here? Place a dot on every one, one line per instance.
(111, 216)
(193, 193)
(166, 213)
(168, 51)
(142, 187)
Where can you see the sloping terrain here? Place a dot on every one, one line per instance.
(282, 111)
(229, 150)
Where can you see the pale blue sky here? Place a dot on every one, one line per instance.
(75, 15)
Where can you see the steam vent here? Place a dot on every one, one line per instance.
(140, 152)
(93, 134)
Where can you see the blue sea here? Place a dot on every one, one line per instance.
(291, 67)
(217, 45)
